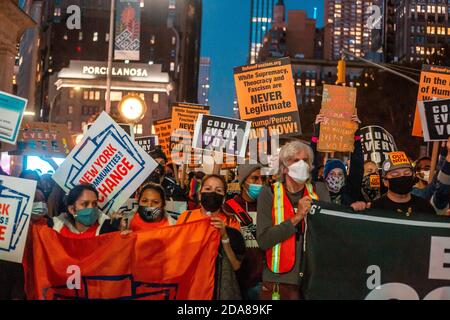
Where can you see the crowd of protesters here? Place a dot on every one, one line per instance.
(262, 227)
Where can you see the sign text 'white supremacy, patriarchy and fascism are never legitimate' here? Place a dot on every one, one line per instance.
(110, 160)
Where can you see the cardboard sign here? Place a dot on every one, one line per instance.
(11, 110)
(221, 134)
(435, 116)
(376, 144)
(163, 131)
(398, 158)
(147, 143)
(16, 204)
(128, 128)
(110, 160)
(266, 96)
(44, 139)
(434, 84)
(337, 133)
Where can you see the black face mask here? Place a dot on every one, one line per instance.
(402, 185)
(211, 201)
(369, 191)
(149, 214)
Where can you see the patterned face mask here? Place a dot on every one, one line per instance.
(371, 187)
(335, 183)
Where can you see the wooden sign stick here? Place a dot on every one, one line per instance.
(434, 160)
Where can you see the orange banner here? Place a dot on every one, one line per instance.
(163, 131)
(172, 263)
(434, 84)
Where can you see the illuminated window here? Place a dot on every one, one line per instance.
(70, 110)
(91, 95)
(172, 66)
(80, 35)
(107, 37)
(138, 129)
(97, 95)
(69, 125)
(156, 98)
(95, 37)
(152, 39)
(85, 95)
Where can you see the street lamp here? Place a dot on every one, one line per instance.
(132, 108)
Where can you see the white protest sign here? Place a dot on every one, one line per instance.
(435, 118)
(221, 134)
(110, 160)
(16, 204)
(11, 109)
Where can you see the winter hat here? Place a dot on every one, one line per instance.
(334, 164)
(244, 170)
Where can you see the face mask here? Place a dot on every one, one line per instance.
(299, 171)
(402, 185)
(425, 175)
(254, 190)
(211, 201)
(39, 209)
(335, 184)
(150, 214)
(370, 191)
(87, 216)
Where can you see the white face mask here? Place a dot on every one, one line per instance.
(299, 171)
(426, 175)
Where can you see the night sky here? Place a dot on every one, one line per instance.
(225, 38)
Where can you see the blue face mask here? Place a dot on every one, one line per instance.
(87, 216)
(254, 190)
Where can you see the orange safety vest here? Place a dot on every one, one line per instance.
(281, 257)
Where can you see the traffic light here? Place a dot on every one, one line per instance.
(341, 72)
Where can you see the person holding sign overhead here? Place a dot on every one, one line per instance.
(398, 178)
(280, 226)
(344, 189)
(83, 219)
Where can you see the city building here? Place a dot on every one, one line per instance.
(13, 23)
(348, 28)
(297, 38)
(261, 13)
(422, 28)
(168, 44)
(204, 80)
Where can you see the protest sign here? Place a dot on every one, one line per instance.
(376, 144)
(163, 131)
(110, 160)
(221, 134)
(147, 143)
(12, 109)
(127, 40)
(184, 116)
(337, 133)
(435, 119)
(16, 204)
(174, 263)
(128, 128)
(266, 96)
(434, 84)
(44, 139)
(176, 208)
(376, 255)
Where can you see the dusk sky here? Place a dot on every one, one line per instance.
(225, 39)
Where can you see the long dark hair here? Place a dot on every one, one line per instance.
(155, 187)
(77, 191)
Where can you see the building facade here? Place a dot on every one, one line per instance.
(261, 13)
(204, 80)
(422, 28)
(169, 46)
(348, 27)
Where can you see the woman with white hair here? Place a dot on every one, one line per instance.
(280, 220)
